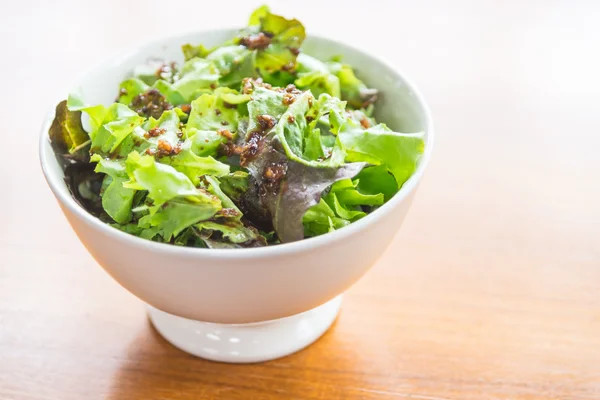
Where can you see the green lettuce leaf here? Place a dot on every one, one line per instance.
(276, 40)
(163, 182)
(216, 111)
(109, 127)
(234, 185)
(205, 143)
(319, 82)
(172, 95)
(320, 219)
(175, 202)
(117, 200)
(130, 88)
(400, 152)
(264, 102)
(197, 76)
(215, 188)
(178, 215)
(235, 234)
(234, 63)
(194, 166)
(96, 113)
(375, 180)
(190, 51)
(301, 140)
(353, 90)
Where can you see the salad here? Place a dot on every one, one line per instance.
(250, 143)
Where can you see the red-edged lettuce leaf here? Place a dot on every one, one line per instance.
(284, 189)
(69, 140)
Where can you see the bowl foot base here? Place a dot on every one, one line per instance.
(246, 343)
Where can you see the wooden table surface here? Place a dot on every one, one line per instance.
(491, 289)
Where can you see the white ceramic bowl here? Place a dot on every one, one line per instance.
(242, 286)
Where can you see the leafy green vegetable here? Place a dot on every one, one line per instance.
(319, 82)
(237, 235)
(353, 90)
(178, 215)
(130, 88)
(196, 77)
(190, 51)
(234, 63)
(116, 199)
(194, 166)
(276, 40)
(250, 143)
(400, 152)
(234, 185)
(214, 111)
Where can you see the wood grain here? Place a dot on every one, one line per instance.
(491, 289)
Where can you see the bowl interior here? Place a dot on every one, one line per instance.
(399, 105)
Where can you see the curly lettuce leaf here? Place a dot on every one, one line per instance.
(234, 185)
(300, 138)
(235, 234)
(319, 82)
(226, 229)
(172, 95)
(191, 51)
(178, 215)
(214, 187)
(130, 88)
(295, 116)
(197, 76)
(377, 180)
(231, 235)
(335, 79)
(400, 152)
(287, 38)
(234, 63)
(163, 182)
(347, 201)
(164, 139)
(258, 14)
(320, 219)
(264, 102)
(193, 166)
(352, 89)
(175, 203)
(117, 200)
(204, 142)
(307, 64)
(110, 127)
(275, 39)
(216, 111)
(96, 113)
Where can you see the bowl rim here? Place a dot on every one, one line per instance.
(307, 244)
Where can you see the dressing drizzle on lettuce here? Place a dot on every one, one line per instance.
(250, 143)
